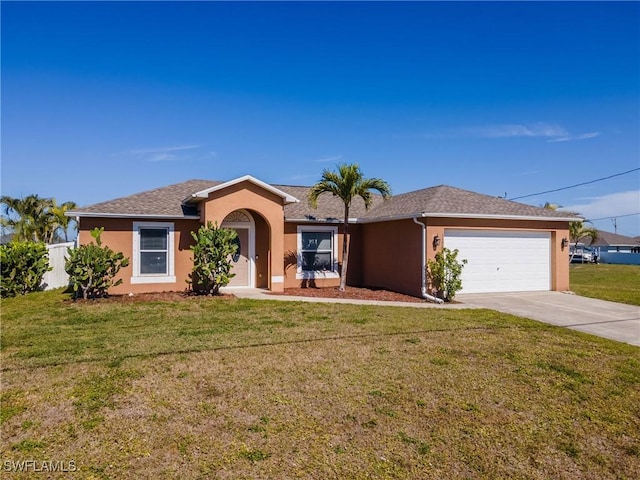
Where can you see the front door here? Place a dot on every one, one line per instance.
(240, 261)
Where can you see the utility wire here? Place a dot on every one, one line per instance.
(614, 216)
(577, 184)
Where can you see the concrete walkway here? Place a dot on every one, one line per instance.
(615, 321)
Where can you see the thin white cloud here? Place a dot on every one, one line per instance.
(539, 129)
(332, 158)
(620, 203)
(569, 138)
(163, 154)
(552, 132)
(162, 157)
(144, 151)
(301, 177)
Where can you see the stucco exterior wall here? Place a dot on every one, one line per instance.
(354, 270)
(391, 256)
(262, 203)
(118, 235)
(382, 254)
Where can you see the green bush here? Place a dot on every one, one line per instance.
(444, 274)
(92, 268)
(212, 255)
(23, 266)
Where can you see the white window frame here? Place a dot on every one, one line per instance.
(307, 274)
(169, 277)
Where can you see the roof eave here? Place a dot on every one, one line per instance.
(482, 216)
(319, 220)
(130, 215)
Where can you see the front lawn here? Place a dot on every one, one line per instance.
(616, 283)
(228, 388)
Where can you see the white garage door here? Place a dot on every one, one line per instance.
(502, 261)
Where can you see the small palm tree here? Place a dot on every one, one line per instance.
(347, 184)
(27, 217)
(61, 221)
(35, 219)
(578, 232)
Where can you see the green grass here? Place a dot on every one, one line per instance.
(208, 388)
(616, 283)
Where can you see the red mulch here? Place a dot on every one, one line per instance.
(150, 297)
(358, 293)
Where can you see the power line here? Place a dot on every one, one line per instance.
(577, 184)
(614, 216)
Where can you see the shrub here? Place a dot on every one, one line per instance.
(23, 266)
(212, 255)
(444, 274)
(92, 268)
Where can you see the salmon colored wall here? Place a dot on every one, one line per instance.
(391, 256)
(559, 230)
(247, 195)
(118, 235)
(354, 270)
(382, 254)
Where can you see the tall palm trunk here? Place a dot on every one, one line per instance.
(345, 250)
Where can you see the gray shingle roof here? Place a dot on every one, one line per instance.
(329, 207)
(609, 238)
(444, 199)
(167, 201)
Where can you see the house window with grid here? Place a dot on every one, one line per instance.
(153, 252)
(317, 255)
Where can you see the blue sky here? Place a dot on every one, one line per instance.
(106, 99)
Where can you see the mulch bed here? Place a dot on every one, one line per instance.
(357, 293)
(150, 297)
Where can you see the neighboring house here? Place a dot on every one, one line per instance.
(285, 243)
(613, 242)
(614, 248)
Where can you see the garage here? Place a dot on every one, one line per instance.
(502, 260)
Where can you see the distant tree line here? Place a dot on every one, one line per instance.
(36, 219)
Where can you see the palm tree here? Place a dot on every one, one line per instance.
(347, 184)
(33, 218)
(61, 220)
(578, 231)
(27, 217)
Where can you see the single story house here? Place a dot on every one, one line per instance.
(616, 248)
(285, 243)
(614, 242)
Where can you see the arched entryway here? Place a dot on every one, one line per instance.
(244, 260)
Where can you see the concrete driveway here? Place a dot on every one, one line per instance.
(616, 321)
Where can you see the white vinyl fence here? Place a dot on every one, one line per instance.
(57, 277)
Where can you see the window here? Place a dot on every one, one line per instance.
(317, 255)
(153, 252)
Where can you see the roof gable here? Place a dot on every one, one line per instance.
(198, 196)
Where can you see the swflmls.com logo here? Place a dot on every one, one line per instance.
(39, 466)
